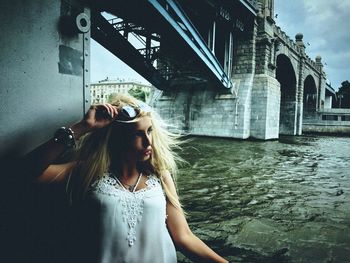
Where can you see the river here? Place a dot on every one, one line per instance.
(286, 200)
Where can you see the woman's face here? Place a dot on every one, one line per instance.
(141, 140)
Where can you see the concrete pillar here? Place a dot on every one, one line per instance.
(321, 91)
(44, 54)
(265, 107)
(300, 84)
(265, 98)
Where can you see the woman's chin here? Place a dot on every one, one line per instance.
(144, 158)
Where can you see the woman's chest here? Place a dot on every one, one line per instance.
(109, 199)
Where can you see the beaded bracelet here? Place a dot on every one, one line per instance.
(65, 136)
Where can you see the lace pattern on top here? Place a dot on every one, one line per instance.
(132, 202)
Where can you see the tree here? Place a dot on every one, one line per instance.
(138, 93)
(110, 97)
(343, 95)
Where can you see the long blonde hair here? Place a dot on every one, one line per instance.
(95, 151)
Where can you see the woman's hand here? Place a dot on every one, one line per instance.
(97, 117)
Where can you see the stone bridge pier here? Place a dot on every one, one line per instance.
(275, 84)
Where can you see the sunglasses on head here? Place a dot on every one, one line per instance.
(129, 112)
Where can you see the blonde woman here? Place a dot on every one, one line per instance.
(121, 186)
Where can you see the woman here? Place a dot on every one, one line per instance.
(121, 185)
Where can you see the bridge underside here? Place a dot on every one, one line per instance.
(172, 52)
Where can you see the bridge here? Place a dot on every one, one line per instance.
(226, 67)
(223, 68)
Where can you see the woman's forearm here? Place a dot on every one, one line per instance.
(197, 250)
(41, 157)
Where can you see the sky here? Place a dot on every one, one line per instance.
(326, 29)
(324, 24)
(105, 65)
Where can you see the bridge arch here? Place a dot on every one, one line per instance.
(309, 98)
(286, 76)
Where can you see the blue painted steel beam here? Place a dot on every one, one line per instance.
(190, 35)
(251, 5)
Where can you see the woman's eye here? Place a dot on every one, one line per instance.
(142, 133)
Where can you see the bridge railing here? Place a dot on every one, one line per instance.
(285, 39)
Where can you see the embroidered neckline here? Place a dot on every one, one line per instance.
(130, 188)
(132, 202)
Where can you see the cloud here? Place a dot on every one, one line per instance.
(323, 24)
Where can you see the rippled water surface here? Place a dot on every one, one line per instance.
(271, 201)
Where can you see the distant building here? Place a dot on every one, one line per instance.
(100, 91)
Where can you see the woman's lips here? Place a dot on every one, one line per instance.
(147, 152)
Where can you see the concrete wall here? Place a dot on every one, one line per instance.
(205, 111)
(265, 107)
(288, 114)
(44, 79)
(244, 99)
(328, 127)
(331, 121)
(199, 112)
(328, 102)
(44, 74)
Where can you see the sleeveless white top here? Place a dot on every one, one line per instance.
(127, 226)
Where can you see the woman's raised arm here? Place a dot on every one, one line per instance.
(39, 161)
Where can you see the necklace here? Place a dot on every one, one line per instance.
(129, 187)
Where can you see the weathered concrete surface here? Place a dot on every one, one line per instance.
(44, 73)
(265, 116)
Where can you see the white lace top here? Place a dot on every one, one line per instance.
(127, 226)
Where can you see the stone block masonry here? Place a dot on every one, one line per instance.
(201, 112)
(265, 112)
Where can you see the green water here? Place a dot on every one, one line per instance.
(272, 201)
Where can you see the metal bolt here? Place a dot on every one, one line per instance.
(86, 100)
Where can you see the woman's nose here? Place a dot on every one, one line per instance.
(147, 140)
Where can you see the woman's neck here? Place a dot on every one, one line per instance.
(125, 170)
(128, 172)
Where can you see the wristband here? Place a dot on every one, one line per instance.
(65, 136)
